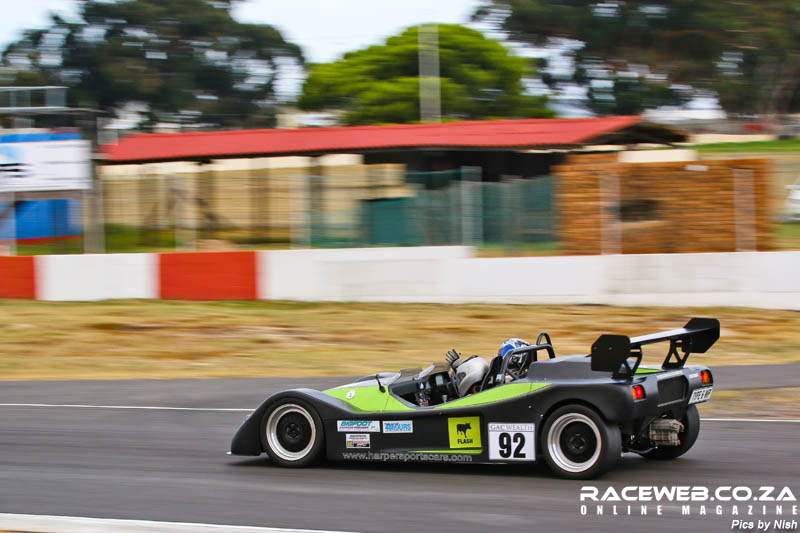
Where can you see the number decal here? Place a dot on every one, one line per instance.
(505, 445)
(511, 442)
(519, 438)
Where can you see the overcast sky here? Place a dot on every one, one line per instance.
(325, 29)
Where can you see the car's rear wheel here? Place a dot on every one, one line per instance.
(579, 444)
(293, 433)
(691, 429)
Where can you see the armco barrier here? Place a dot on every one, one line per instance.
(425, 274)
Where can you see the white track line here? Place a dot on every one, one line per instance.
(782, 420)
(77, 524)
(143, 407)
(238, 410)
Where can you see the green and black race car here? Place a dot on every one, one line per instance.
(577, 413)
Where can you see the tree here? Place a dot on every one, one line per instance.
(185, 60)
(380, 84)
(631, 95)
(745, 51)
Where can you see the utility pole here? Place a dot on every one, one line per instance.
(430, 103)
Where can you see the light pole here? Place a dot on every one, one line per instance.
(430, 103)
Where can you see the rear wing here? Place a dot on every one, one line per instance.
(611, 353)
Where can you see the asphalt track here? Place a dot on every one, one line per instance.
(170, 465)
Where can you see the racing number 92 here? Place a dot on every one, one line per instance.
(505, 442)
(511, 442)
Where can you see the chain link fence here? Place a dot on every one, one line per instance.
(456, 207)
(206, 207)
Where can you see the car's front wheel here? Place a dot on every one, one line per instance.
(579, 444)
(293, 433)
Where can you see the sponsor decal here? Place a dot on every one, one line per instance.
(364, 426)
(701, 395)
(464, 432)
(357, 440)
(741, 503)
(398, 426)
(511, 442)
(350, 394)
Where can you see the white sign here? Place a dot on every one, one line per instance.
(45, 166)
(511, 442)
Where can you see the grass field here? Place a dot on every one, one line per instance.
(162, 339)
(786, 237)
(790, 145)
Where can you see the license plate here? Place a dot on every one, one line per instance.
(701, 395)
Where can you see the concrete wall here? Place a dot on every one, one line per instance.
(414, 274)
(96, 277)
(751, 279)
(424, 274)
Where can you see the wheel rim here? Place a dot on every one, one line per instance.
(574, 442)
(291, 432)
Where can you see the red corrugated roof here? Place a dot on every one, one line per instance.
(527, 133)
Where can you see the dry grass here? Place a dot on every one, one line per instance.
(162, 339)
(754, 403)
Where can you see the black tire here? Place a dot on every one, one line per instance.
(578, 444)
(292, 433)
(691, 429)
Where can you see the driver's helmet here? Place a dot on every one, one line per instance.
(469, 373)
(511, 344)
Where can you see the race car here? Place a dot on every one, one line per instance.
(577, 413)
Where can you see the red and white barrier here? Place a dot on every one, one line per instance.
(358, 274)
(97, 277)
(17, 277)
(423, 274)
(208, 276)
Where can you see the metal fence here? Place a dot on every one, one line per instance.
(636, 210)
(464, 210)
(146, 208)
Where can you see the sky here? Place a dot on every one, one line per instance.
(325, 29)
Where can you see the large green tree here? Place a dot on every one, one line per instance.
(186, 60)
(479, 79)
(745, 51)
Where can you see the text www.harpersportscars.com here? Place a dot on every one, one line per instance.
(407, 457)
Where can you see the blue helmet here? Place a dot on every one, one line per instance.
(511, 344)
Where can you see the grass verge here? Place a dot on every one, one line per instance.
(167, 339)
(790, 145)
(787, 235)
(780, 402)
